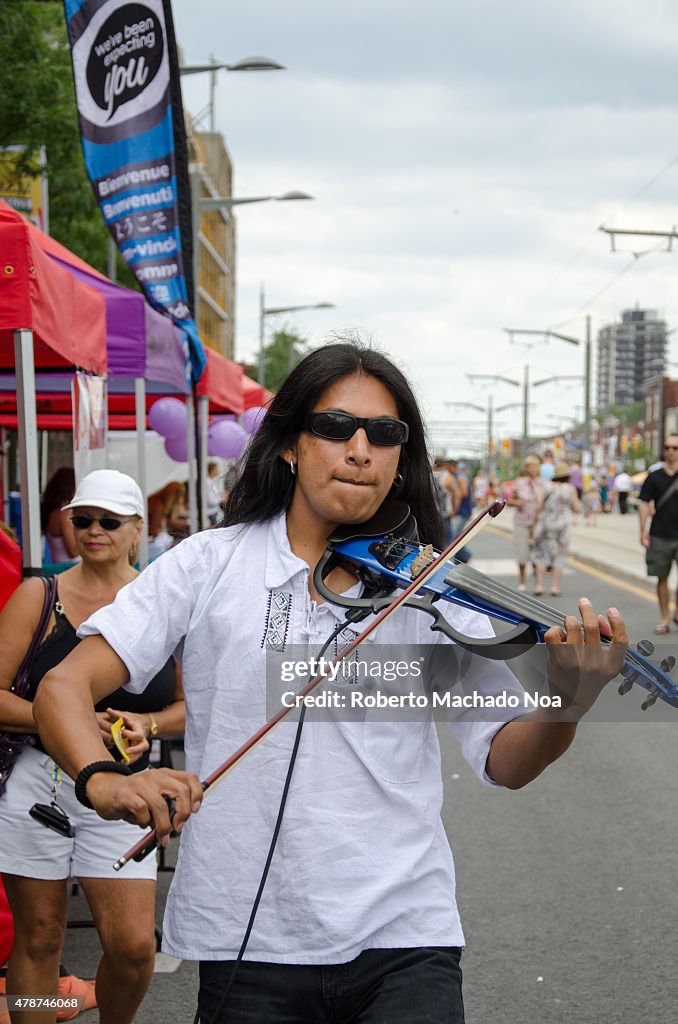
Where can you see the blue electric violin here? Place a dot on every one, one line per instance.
(385, 556)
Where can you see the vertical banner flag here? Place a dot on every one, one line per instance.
(131, 122)
(89, 423)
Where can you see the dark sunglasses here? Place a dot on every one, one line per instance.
(340, 426)
(107, 523)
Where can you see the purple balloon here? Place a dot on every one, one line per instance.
(176, 448)
(251, 418)
(226, 439)
(168, 417)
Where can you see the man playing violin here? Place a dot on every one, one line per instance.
(358, 920)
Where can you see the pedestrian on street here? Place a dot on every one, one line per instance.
(358, 918)
(547, 467)
(623, 485)
(552, 530)
(463, 508)
(527, 498)
(446, 496)
(659, 500)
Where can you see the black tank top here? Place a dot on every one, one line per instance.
(61, 641)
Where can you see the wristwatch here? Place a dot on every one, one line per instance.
(154, 725)
(91, 769)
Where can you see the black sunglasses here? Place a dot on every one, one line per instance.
(107, 523)
(340, 426)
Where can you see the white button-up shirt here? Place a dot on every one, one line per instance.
(362, 859)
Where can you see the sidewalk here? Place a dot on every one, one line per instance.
(612, 545)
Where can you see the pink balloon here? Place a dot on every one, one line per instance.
(168, 417)
(176, 448)
(226, 439)
(251, 418)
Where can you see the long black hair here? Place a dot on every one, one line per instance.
(265, 486)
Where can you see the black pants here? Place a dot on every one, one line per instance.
(381, 986)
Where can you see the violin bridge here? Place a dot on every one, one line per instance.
(422, 561)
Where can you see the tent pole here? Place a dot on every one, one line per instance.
(44, 457)
(142, 479)
(4, 461)
(28, 452)
(203, 419)
(190, 457)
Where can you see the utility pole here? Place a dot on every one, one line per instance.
(546, 334)
(613, 232)
(526, 400)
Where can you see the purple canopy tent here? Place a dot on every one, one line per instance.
(145, 345)
(142, 346)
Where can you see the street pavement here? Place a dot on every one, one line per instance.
(568, 903)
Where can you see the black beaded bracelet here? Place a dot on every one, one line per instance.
(91, 769)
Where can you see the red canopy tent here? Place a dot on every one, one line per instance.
(222, 383)
(49, 320)
(68, 319)
(254, 394)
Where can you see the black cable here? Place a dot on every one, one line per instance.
(354, 615)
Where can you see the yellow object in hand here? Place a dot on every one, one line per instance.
(119, 738)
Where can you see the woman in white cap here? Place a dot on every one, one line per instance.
(36, 862)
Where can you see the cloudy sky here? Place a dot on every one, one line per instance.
(462, 158)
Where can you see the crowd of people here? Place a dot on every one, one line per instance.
(548, 494)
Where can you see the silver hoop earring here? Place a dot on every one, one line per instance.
(293, 468)
(398, 480)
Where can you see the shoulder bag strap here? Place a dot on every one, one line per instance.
(671, 489)
(20, 684)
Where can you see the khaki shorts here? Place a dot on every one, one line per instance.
(660, 555)
(521, 543)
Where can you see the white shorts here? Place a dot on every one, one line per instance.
(32, 850)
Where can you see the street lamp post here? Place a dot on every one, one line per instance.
(517, 384)
(224, 203)
(244, 64)
(272, 311)
(587, 368)
(489, 412)
(199, 204)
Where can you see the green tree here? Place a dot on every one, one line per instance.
(281, 355)
(38, 109)
(629, 415)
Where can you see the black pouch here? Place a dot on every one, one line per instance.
(51, 816)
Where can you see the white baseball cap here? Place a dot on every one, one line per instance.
(111, 490)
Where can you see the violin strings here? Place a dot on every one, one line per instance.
(477, 584)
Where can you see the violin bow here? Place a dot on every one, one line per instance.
(148, 842)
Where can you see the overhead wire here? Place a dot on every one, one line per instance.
(582, 248)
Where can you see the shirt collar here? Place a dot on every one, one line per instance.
(282, 565)
(281, 562)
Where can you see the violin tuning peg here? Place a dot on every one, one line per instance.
(668, 663)
(646, 647)
(649, 701)
(625, 686)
